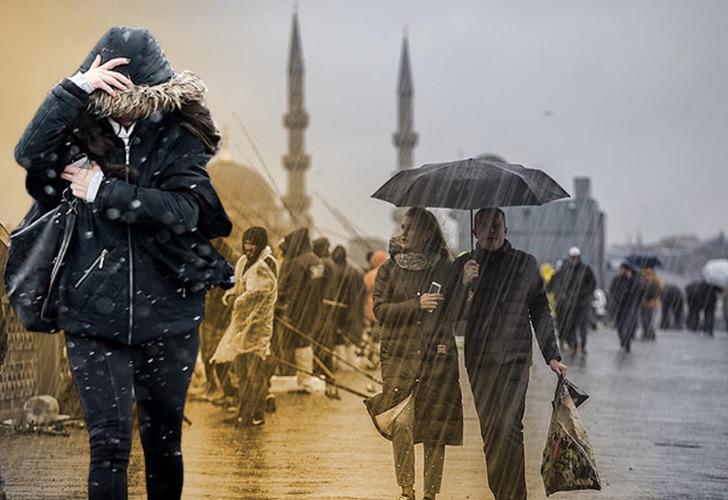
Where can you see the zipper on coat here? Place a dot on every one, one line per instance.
(127, 152)
(98, 261)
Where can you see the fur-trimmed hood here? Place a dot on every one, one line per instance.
(157, 89)
(142, 101)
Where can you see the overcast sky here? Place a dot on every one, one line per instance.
(633, 94)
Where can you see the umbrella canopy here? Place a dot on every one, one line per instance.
(640, 261)
(470, 184)
(715, 272)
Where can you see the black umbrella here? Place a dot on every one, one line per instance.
(643, 260)
(470, 184)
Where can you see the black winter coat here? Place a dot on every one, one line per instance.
(418, 352)
(573, 285)
(300, 291)
(508, 297)
(140, 260)
(625, 296)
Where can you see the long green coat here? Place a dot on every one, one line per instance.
(418, 352)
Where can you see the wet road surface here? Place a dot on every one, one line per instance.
(657, 419)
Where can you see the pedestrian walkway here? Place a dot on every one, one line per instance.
(656, 417)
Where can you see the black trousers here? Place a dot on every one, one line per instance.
(108, 376)
(626, 328)
(572, 321)
(499, 391)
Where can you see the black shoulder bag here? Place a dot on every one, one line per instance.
(35, 256)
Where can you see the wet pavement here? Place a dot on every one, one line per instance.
(657, 419)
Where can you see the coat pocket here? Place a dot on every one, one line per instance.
(98, 263)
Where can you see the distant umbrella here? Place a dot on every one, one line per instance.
(715, 272)
(640, 261)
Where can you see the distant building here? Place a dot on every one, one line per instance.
(548, 231)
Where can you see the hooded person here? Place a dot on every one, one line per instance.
(351, 295)
(326, 333)
(131, 294)
(246, 342)
(650, 302)
(300, 298)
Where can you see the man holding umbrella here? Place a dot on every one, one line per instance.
(503, 297)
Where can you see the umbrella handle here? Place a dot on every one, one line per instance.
(472, 228)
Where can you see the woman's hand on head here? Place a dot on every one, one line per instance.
(80, 178)
(101, 76)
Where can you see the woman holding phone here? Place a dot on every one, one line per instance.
(419, 358)
(130, 296)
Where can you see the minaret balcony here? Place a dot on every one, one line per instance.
(296, 162)
(297, 204)
(404, 139)
(296, 120)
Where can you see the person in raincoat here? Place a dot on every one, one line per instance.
(419, 358)
(500, 293)
(246, 342)
(652, 288)
(131, 294)
(625, 296)
(547, 273)
(573, 287)
(300, 298)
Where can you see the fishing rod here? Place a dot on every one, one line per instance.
(329, 374)
(321, 377)
(359, 344)
(327, 350)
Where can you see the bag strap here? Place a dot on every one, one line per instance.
(559, 389)
(71, 214)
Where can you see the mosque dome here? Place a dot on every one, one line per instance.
(247, 197)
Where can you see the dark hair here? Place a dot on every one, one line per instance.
(194, 117)
(480, 213)
(256, 235)
(424, 220)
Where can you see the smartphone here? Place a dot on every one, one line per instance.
(81, 161)
(435, 287)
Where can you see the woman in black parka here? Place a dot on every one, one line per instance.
(419, 357)
(130, 297)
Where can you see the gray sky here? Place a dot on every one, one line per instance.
(633, 94)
